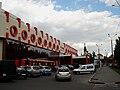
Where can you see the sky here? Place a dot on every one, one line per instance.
(74, 22)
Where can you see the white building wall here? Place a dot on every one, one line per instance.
(8, 30)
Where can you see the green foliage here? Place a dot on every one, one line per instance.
(116, 70)
(91, 58)
(117, 50)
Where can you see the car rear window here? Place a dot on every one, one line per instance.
(47, 67)
(63, 70)
(19, 68)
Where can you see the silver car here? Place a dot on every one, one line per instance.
(46, 70)
(63, 73)
(33, 71)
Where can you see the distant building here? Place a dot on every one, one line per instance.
(83, 59)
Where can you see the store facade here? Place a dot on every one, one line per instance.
(29, 45)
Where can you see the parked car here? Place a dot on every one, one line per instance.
(33, 71)
(54, 68)
(71, 67)
(45, 70)
(76, 65)
(7, 70)
(21, 73)
(88, 68)
(63, 73)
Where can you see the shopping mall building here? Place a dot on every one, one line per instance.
(29, 45)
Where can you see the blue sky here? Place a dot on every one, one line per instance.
(92, 5)
(74, 22)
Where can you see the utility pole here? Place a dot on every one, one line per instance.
(117, 3)
(98, 50)
(111, 40)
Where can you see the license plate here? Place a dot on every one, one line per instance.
(64, 74)
(4, 74)
(23, 74)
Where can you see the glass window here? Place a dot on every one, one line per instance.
(47, 67)
(83, 67)
(63, 70)
(36, 68)
(88, 67)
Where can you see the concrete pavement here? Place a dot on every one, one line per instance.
(105, 75)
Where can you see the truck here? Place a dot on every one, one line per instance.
(7, 70)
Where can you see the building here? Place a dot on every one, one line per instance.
(29, 45)
(83, 59)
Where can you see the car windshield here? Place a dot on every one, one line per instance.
(28, 67)
(41, 67)
(36, 68)
(47, 67)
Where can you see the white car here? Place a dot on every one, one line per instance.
(88, 68)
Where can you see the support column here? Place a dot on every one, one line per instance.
(71, 60)
(1, 50)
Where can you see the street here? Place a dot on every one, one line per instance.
(78, 82)
(49, 83)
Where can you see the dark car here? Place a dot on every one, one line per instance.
(21, 73)
(7, 70)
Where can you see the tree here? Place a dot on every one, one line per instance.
(93, 54)
(117, 50)
(90, 58)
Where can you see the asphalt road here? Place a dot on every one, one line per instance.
(78, 82)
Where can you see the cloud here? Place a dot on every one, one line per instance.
(72, 27)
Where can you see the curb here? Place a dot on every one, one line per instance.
(91, 80)
(95, 80)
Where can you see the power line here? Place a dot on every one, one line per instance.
(117, 2)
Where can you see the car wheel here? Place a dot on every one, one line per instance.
(25, 77)
(78, 73)
(29, 75)
(56, 79)
(70, 79)
(91, 72)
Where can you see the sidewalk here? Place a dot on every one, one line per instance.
(105, 75)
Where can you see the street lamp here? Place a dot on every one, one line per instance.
(117, 3)
(112, 48)
(98, 50)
